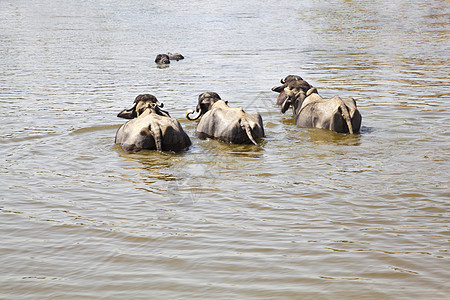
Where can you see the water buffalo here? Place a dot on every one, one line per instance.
(311, 110)
(164, 59)
(175, 56)
(284, 83)
(221, 122)
(150, 128)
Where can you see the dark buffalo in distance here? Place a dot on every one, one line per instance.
(164, 59)
(150, 128)
(221, 122)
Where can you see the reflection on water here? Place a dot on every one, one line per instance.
(308, 213)
(93, 129)
(328, 137)
(152, 166)
(218, 148)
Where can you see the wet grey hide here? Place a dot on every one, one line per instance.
(152, 129)
(313, 111)
(221, 122)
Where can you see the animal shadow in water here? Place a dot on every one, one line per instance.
(325, 136)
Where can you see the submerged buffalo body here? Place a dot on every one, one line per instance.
(311, 110)
(221, 122)
(175, 56)
(150, 128)
(164, 59)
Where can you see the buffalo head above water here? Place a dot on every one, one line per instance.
(140, 104)
(205, 102)
(290, 79)
(284, 82)
(295, 90)
(162, 59)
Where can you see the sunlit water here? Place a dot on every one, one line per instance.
(309, 214)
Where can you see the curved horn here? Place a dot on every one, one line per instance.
(190, 112)
(288, 101)
(161, 105)
(161, 112)
(129, 113)
(285, 105)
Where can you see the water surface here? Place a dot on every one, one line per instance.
(309, 214)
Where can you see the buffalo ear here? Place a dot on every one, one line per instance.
(278, 89)
(129, 113)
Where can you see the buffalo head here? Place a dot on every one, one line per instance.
(296, 91)
(205, 102)
(140, 104)
(162, 59)
(285, 82)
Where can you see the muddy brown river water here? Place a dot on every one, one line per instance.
(310, 214)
